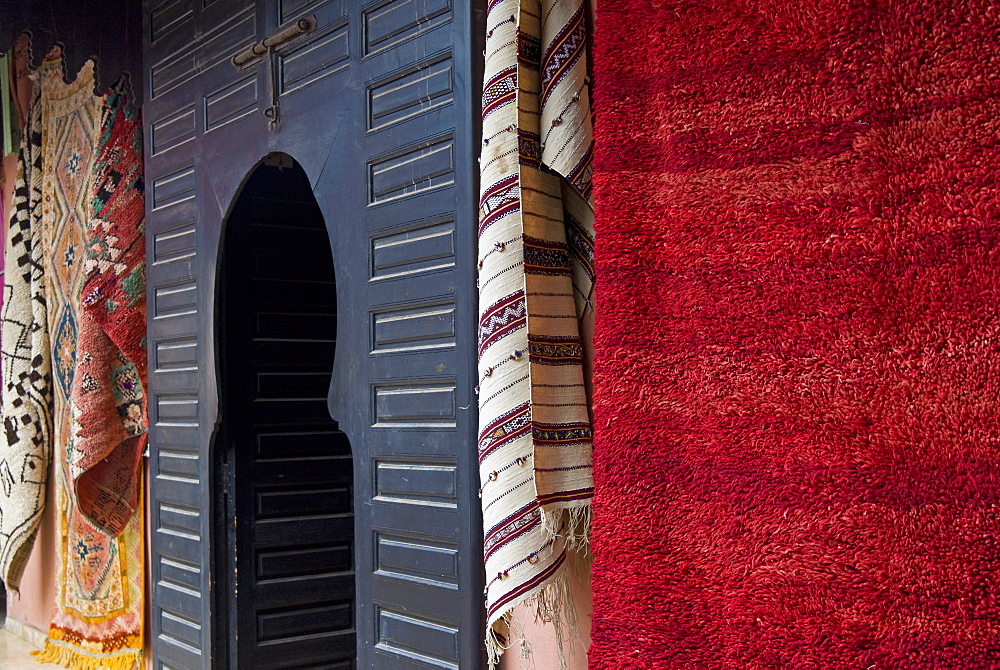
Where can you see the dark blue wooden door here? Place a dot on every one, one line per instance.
(378, 107)
(288, 498)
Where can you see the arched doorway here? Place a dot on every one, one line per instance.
(284, 524)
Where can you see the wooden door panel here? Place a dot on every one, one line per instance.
(323, 469)
(299, 592)
(282, 620)
(286, 532)
(379, 106)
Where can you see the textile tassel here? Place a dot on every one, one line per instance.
(572, 524)
(553, 605)
(70, 658)
(496, 641)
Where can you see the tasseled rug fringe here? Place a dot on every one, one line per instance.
(572, 524)
(553, 604)
(497, 641)
(77, 660)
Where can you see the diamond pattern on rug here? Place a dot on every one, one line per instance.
(64, 352)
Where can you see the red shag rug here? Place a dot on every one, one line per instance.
(797, 433)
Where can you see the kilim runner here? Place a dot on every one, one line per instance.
(26, 356)
(535, 289)
(97, 619)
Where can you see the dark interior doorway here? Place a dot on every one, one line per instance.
(285, 571)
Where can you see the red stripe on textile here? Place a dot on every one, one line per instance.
(500, 320)
(540, 578)
(563, 53)
(498, 214)
(566, 496)
(511, 528)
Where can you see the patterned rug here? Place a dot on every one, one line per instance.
(535, 290)
(97, 622)
(26, 359)
(797, 461)
(107, 397)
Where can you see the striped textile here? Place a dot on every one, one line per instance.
(535, 290)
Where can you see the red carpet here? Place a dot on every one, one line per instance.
(798, 449)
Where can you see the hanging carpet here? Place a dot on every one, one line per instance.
(26, 357)
(98, 615)
(535, 290)
(107, 396)
(797, 455)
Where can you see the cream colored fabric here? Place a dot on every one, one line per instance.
(26, 446)
(536, 285)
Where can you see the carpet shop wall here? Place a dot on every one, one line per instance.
(112, 33)
(797, 440)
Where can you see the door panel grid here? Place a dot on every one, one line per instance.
(378, 107)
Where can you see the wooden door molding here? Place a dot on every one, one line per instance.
(288, 507)
(380, 106)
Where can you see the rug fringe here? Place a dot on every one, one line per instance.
(553, 604)
(496, 640)
(570, 523)
(76, 660)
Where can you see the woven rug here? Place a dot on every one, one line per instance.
(107, 396)
(797, 461)
(535, 287)
(26, 446)
(97, 619)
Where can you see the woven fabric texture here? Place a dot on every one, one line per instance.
(26, 359)
(98, 615)
(107, 394)
(796, 460)
(535, 284)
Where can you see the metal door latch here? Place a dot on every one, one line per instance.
(265, 50)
